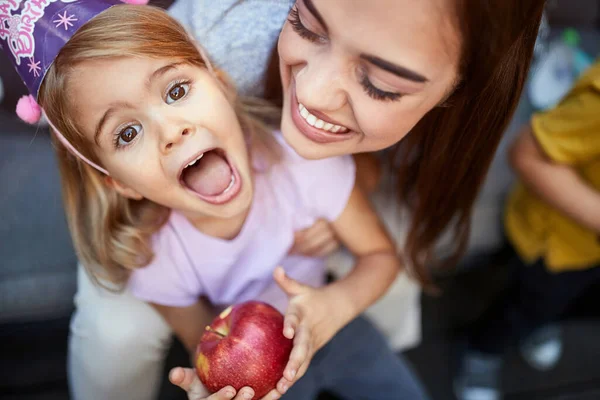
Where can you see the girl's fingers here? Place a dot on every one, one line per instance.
(298, 354)
(284, 384)
(291, 321)
(290, 286)
(187, 379)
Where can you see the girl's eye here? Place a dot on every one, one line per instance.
(177, 92)
(127, 135)
(300, 29)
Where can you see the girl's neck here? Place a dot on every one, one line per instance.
(223, 228)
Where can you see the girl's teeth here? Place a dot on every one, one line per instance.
(319, 123)
(230, 184)
(195, 161)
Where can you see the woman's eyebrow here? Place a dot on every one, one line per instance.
(313, 10)
(397, 70)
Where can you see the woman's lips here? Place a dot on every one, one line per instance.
(323, 131)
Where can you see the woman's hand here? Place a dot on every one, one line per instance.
(187, 379)
(317, 241)
(313, 317)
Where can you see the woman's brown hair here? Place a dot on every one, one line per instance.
(442, 163)
(445, 158)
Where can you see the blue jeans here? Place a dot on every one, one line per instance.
(358, 364)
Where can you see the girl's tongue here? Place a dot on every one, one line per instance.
(210, 176)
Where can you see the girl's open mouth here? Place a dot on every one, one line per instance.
(211, 176)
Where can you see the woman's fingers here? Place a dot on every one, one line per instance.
(314, 240)
(326, 249)
(227, 393)
(272, 395)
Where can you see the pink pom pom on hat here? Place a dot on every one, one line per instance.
(29, 110)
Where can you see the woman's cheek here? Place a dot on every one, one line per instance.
(384, 124)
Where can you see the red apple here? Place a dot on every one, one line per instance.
(244, 346)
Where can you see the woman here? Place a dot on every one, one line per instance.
(357, 76)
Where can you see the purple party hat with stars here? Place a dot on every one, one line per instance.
(32, 32)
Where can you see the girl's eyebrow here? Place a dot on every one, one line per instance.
(161, 71)
(155, 75)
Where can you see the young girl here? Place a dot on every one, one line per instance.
(175, 190)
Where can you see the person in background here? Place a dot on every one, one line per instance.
(552, 222)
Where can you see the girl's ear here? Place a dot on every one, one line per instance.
(122, 189)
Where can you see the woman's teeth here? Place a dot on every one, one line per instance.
(319, 123)
(195, 161)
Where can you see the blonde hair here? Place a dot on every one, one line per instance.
(112, 234)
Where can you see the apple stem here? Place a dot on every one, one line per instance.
(217, 332)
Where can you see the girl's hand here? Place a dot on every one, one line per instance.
(187, 379)
(317, 241)
(313, 317)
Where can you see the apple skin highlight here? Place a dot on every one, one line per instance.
(244, 346)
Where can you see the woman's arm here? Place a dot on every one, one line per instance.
(363, 234)
(557, 184)
(315, 315)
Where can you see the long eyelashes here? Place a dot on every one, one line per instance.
(368, 87)
(299, 28)
(375, 92)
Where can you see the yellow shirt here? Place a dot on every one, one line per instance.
(568, 134)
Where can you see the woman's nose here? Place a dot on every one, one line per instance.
(320, 86)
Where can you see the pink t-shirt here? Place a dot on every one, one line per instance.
(288, 197)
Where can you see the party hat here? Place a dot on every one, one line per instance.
(32, 32)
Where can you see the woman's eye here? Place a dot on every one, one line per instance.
(127, 135)
(376, 93)
(300, 29)
(177, 92)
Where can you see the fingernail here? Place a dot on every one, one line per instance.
(229, 394)
(275, 396)
(247, 395)
(293, 373)
(285, 388)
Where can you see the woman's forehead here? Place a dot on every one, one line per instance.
(419, 35)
